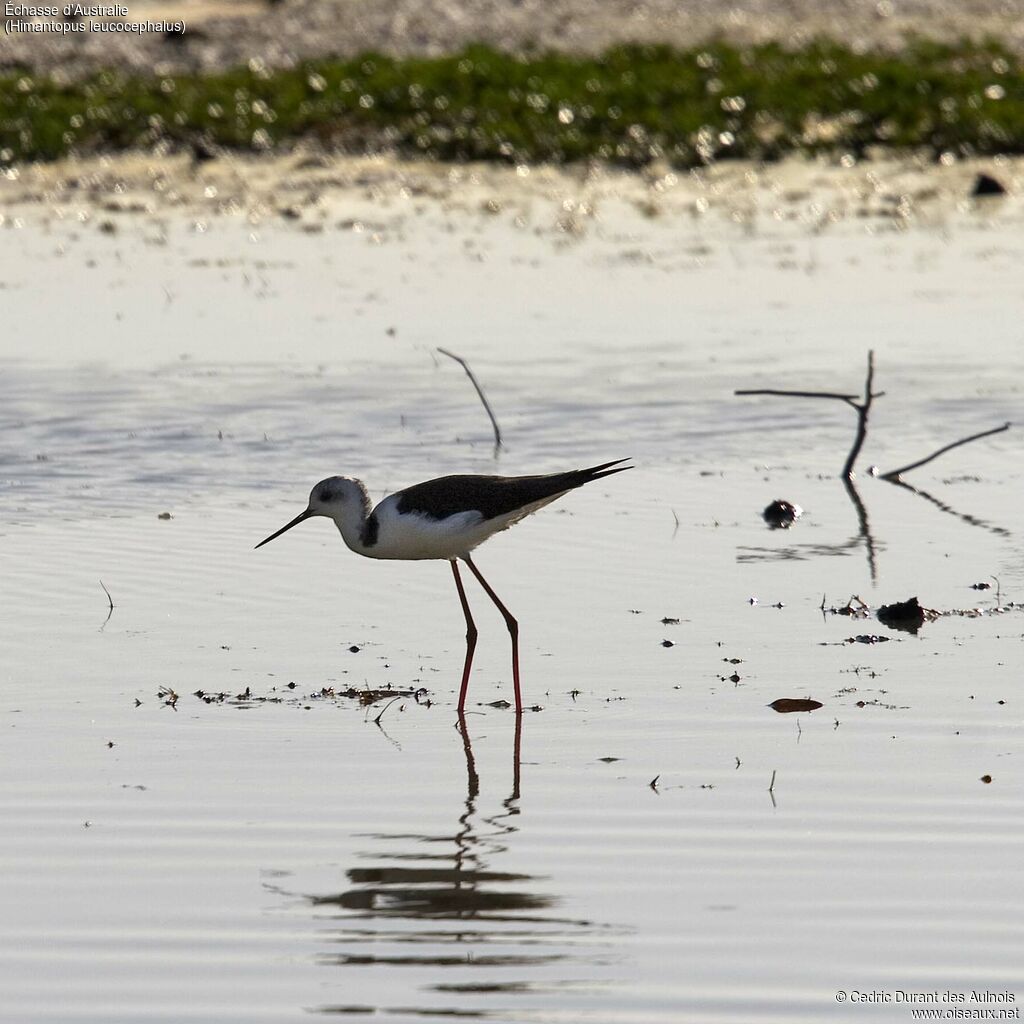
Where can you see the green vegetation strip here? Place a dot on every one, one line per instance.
(629, 106)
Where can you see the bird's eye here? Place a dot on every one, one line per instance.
(326, 495)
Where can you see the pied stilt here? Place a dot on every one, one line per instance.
(444, 518)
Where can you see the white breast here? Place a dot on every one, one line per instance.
(412, 536)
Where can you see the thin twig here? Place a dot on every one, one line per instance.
(110, 601)
(893, 475)
(376, 721)
(771, 787)
(480, 391)
(797, 394)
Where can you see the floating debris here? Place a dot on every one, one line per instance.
(365, 697)
(986, 779)
(787, 705)
(781, 514)
(857, 609)
(876, 703)
(667, 643)
(667, 621)
(168, 697)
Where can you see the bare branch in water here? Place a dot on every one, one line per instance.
(480, 391)
(862, 406)
(893, 476)
(797, 394)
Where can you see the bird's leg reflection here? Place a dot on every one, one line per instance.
(473, 777)
(516, 743)
(436, 902)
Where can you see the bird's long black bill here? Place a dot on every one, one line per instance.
(284, 529)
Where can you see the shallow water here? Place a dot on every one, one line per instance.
(278, 853)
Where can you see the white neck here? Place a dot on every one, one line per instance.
(352, 514)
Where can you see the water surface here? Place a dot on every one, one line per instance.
(276, 854)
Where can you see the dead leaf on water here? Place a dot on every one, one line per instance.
(787, 705)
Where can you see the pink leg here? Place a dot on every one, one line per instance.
(513, 630)
(470, 638)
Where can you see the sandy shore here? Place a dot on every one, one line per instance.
(223, 33)
(317, 191)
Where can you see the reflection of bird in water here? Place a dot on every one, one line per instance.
(444, 518)
(461, 889)
(435, 901)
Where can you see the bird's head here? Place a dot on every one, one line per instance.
(331, 498)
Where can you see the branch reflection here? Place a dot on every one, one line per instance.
(864, 538)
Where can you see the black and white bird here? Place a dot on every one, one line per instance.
(444, 518)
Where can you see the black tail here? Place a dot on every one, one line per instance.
(596, 472)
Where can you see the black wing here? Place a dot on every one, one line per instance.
(494, 495)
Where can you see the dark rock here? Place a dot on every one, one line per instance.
(986, 185)
(906, 615)
(781, 515)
